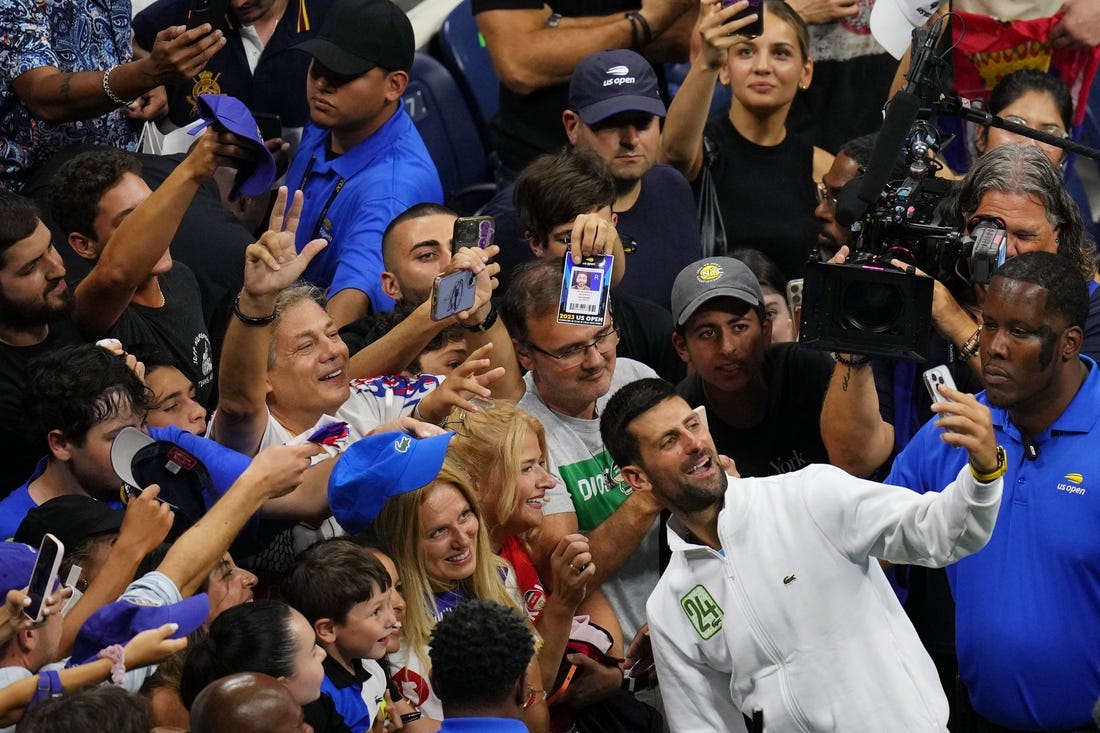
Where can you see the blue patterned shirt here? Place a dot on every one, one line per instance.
(71, 35)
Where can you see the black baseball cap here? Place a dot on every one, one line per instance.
(358, 35)
(183, 479)
(72, 518)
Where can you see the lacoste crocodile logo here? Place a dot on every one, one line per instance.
(789, 579)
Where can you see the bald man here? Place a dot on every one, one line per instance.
(247, 702)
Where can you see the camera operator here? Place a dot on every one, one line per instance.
(1019, 185)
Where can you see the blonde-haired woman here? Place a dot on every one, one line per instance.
(504, 451)
(440, 545)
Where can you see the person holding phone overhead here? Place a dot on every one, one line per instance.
(255, 67)
(67, 78)
(751, 145)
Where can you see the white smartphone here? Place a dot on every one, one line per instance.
(44, 575)
(936, 376)
(794, 304)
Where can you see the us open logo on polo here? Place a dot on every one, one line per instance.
(1074, 486)
(618, 75)
(702, 611)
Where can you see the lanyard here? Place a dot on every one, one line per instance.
(332, 197)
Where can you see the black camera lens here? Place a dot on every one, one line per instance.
(874, 307)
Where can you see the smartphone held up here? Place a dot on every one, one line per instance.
(755, 7)
(43, 575)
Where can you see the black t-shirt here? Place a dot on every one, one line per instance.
(21, 450)
(664, 223)
(178, 327)
(645, 334)
(766, 195)
(528, 125)
(789, 436)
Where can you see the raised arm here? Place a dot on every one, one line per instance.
(394, 351)
(682, 135)
(856, 437)
(274, 472)
(128, 257)
(144, 527)
(529, 55)
(271, 265)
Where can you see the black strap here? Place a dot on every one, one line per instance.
(331, 198)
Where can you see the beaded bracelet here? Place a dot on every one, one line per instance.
(855, 362)
(970, 348)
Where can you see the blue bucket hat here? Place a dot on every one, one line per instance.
(16, 563)
(377, 467)
(254, 178)
(118, 622)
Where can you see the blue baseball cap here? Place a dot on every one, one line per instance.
(118, 622)
(377, 467)
(254, 178)
(16, 564)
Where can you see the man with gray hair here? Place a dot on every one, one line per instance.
(1020, 187)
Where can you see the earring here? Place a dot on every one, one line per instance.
(803, 87)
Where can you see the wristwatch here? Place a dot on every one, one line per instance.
(996, 473)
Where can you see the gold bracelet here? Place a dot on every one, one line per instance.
(996, 473)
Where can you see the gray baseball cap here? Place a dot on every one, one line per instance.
(709, 278)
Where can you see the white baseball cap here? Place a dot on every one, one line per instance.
(893, 21)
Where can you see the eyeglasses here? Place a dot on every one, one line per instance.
(1051, 129)
(825, 195)
(605, 343)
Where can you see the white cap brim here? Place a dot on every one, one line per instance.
(890, 27)
(125, 446)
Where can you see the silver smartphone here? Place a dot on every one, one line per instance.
(936, 376)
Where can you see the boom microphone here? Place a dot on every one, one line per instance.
(901, 113)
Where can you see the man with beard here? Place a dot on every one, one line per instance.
(34, 305)
(1028, 607)
(815, 639)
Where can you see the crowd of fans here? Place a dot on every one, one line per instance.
(294, 491)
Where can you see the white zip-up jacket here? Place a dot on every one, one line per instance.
(795, 617)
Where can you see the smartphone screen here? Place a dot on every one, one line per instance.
(44, 575)
(756, 28)
(453, 293)
(474, 231)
